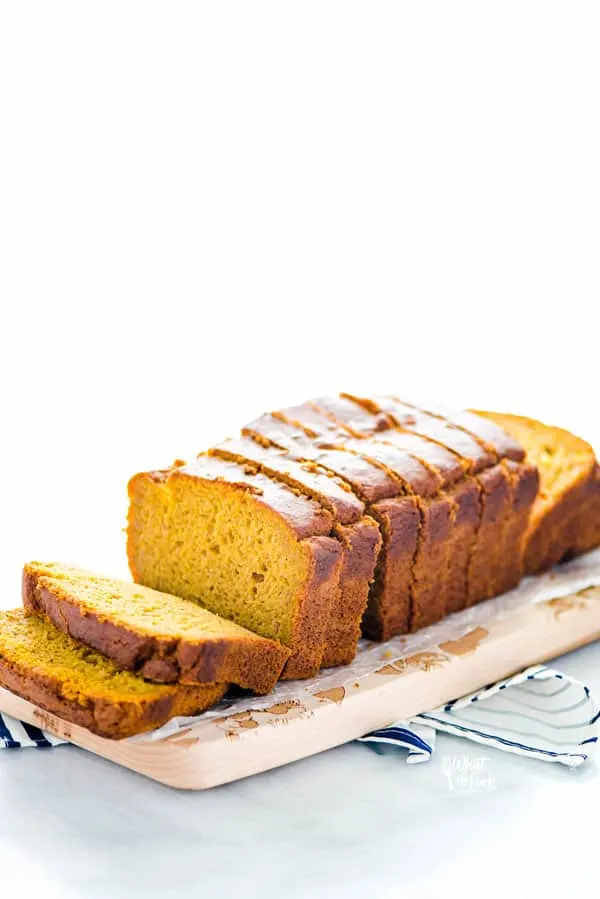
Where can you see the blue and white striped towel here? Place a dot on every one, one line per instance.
(18, 735)
(539, 713)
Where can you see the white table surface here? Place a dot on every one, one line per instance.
(344, 823)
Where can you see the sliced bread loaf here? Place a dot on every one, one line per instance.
(43, 665)
(244, 546)
(162, 637)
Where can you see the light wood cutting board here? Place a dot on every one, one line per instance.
(221, 749)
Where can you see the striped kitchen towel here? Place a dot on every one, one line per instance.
(539, 713)
(18, 735)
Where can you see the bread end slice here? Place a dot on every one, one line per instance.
(565, 518)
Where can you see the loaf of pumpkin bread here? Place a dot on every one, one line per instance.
(269, 554)
(420, 511)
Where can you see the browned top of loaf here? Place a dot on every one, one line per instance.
(366, 423)
(359, 421)
(312, 420)
(306, 517)
(409, 472)
(489, 434)
(455, 439)
(307, 477)
(370, 482)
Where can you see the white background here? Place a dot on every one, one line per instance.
(208, 210)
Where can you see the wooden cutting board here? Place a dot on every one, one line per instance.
(221, 749)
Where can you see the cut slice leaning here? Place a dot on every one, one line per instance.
(163, 638)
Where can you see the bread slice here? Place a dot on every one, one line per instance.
(565, 519)
(358, 533)
(162, 637)
(43, 665)
(242, 545)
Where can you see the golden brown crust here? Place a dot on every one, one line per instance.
(495, 506)
(321, 595)
(305, 517)
(307, 477)
(351, 417)
(362, 544)
(467, 520)
(524, 484)
(435, 456)
(254, 663)
(414, 420)
(496, 440)
(412, 475)
(368, 481)
(401, 466)
(389, 607)
(430, 570)
(113, 720)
